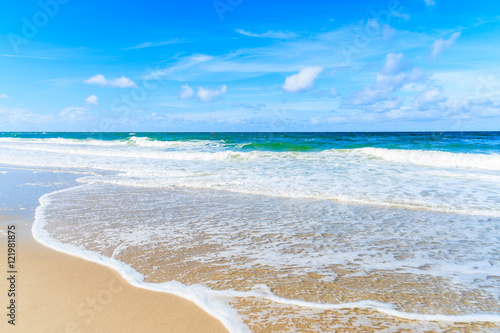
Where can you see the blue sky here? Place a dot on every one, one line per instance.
(250, 65)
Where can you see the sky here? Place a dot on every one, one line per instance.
(250, 65)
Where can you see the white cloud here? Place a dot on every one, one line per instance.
(429, 3)
(430, 94)
(72, 113)
(404, 16)
(153, 44)
(121, 82)
(413, 87)
(21, 116)
(440, 45)
(303, 80)
(394, 64)
(388, 32)
(195, 63)
(269, 34)
(186, 92)
(328, 120)
(395, 74)
(92, 99)
(4, 96)
(287, 55)
(18, 116)
(373, 27)
(430, 99)
(420, 97)
(208, 95)
(321, 48)
(334, 91)
(389, 104)
(255, 107)
(25, 56)
(98, 80)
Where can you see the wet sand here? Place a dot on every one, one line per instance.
(56, 292)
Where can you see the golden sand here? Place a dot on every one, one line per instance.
(57, 292)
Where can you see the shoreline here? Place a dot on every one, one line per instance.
(58, 292)
(196, 294)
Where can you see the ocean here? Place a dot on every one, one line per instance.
(284, 232)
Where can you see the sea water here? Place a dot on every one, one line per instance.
(286, 231)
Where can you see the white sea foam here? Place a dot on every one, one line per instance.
(62, 141)
(377, 306)
(437, 158)
(191, 144)
(467, 184)
(132, 141)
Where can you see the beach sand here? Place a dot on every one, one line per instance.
(56, 292)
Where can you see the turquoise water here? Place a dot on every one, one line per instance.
(455, 142)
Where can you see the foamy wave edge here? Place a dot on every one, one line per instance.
(132, 141)
(198, 294)
(205, 298)
(64, 141)
(440, 159)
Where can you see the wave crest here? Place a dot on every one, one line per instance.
(438, 159)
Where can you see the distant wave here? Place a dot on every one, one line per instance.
(438, 159)
(216, 150)
(278, 146)
(148, 142)
(62, 141)
(132, 141)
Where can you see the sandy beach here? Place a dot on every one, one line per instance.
(61, 293)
